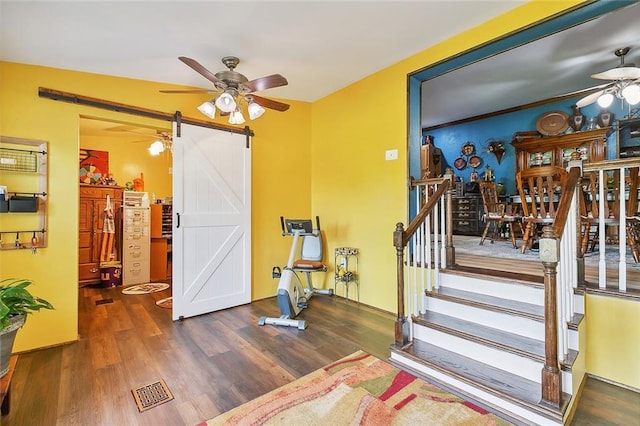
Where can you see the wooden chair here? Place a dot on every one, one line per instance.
(495, 213)
(590, 212)
(539, 190)
(633, 213)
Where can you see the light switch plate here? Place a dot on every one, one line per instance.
(391, 154)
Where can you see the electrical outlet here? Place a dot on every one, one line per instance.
(391, 154)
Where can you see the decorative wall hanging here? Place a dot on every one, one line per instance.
(577, 119)
(468, 148)
(460, 163)
(94, 165)
(497, 149)
(552, 123)
(475, 161)
(604, 118)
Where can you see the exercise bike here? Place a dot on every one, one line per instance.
(292, 296)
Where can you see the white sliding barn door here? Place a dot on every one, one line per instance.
(211, 221)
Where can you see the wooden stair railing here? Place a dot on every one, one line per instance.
(401, 238)
(549, 255)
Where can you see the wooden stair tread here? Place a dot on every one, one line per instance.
(502, 276)
(514, 343)
(491, 379)
(514, 307)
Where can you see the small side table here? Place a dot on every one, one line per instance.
(346, 263)
(5, 386)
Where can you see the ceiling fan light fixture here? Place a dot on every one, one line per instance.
(208, 108)
(156, 148)
(255, 110)
(236, 117)
(605, 100)
(631, 94)
(226, 102)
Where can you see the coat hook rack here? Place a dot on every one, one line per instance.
(19, 244)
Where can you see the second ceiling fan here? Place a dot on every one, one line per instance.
(624, 84)
(232, 89)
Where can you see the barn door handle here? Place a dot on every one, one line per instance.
(178, 220)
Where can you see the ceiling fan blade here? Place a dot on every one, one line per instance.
(264, 83)
(189, 91)
(620, 73)
(270, 103)
(203, 71)
(589, 99)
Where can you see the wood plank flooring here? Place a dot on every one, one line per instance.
(210, 363)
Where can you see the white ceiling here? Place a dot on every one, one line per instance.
(319, 46)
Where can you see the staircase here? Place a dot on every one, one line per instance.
(482, 337)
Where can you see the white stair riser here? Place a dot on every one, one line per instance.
(574, 340)
(578, 301)
(501, 321)
(567, 382)
(497, 358)
(511, 291)
(478, 393)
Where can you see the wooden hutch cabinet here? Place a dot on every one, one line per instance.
(556, 150)
(93, 199)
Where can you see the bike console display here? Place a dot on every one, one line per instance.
(304, 226)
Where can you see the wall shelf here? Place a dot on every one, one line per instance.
(23, 170)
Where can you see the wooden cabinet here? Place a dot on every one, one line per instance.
(93, 199)
(467, 215)
(160, 267)
(557, 150)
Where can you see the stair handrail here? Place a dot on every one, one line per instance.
(401, 238)
(550, 256)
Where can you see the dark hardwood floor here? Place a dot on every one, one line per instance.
(210, 363)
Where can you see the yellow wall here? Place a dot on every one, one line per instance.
(280, 180)
(613, 343)
(323, 159)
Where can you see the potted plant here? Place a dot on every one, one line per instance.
(15, 303)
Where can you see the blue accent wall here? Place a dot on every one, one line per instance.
(502, 128)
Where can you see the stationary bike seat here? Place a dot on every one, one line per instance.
(309, 265)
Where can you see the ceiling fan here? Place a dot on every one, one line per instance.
(164, 142)
(160, 140)
(232, 88)
(625, 84)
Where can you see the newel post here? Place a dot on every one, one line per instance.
(401, 327)
(449, 248)
(551, 380)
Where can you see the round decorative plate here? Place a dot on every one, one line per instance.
(475, 161)
(460, 163)
(468, 148)
(552, 123)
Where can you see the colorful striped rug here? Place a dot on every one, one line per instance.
(359, 389)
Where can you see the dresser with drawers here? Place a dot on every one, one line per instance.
(467, 215)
